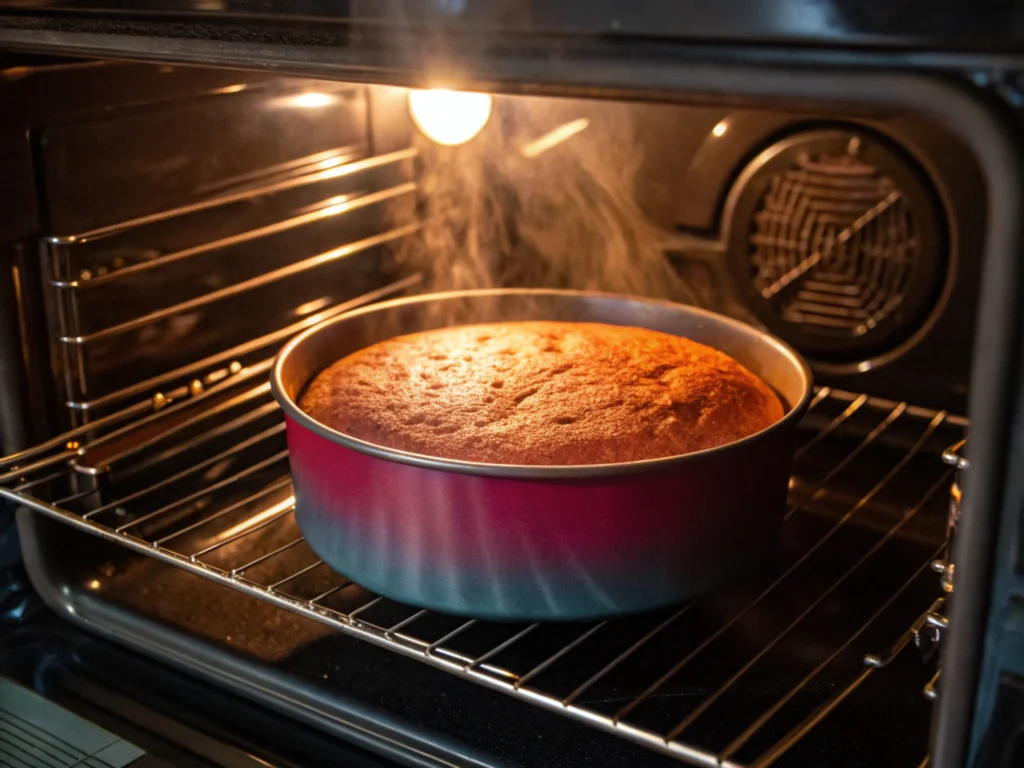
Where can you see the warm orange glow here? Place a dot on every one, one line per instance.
(312, 306)
(312, 100)
(259, 517)
(449, 117)
(554, 138)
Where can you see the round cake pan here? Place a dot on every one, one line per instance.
(537, 542)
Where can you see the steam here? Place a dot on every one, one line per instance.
(545, 196)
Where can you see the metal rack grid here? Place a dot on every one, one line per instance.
(198, 267)
(211, 494)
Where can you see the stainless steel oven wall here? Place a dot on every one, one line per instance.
(855, 238)
(188, 221)
(889, 307)
(167, 216)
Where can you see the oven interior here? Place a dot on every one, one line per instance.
(179, 225)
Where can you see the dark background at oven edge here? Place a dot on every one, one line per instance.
(972, 312)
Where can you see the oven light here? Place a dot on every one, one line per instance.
(449, 117)
(312, 100)
(720, 129)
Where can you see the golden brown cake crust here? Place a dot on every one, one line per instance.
(542, 393)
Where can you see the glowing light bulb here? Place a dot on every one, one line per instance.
(312, 100)
(449, 117)
(720, 129)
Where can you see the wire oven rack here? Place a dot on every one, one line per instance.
(203, 484)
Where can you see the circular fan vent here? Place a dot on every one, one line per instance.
(836, 243)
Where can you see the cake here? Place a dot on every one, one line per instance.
(533, 393)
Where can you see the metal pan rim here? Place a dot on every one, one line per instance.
(532, 471)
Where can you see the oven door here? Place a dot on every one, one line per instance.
(68, 697)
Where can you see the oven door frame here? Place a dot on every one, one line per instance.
(833, 79)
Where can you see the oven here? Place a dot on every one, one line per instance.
(189, 185)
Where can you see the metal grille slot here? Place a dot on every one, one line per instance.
(752, 674)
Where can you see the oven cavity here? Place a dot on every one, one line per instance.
(183, 246)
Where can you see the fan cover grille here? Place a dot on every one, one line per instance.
(838, 245)
(832, 245)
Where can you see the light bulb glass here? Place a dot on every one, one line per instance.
(449, 117)
(313, 100)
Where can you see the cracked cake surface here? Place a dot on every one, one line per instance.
(542, 393)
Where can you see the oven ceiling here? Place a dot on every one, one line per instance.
(989, 26)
